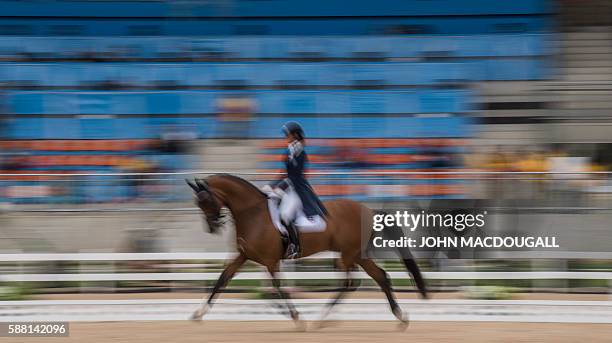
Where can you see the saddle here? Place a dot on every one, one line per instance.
(301, 222)
(287, 206)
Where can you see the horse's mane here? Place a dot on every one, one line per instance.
(243, 181)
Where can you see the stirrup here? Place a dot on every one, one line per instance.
(292, 252)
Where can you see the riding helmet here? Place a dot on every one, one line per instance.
(293, 128)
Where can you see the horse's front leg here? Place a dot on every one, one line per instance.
(225, 277)
(273, 270)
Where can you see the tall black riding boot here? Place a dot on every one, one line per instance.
(293, 250)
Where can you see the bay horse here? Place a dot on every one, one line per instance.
(258, 240)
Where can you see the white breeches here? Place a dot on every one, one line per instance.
(291, 210)
(290, 206)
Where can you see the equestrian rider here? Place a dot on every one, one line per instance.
(305, 210)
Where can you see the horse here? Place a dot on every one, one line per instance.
(257, 239)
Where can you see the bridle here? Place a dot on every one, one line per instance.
(204, 194)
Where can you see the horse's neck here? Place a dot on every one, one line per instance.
(240, 198)
(245, 205)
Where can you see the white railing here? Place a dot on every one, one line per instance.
(170, 276)
(174, 275)
(18, 256)
(177, 275)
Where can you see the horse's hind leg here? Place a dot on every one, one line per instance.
(413, 268)
(382, 279)
(225, 277)
(285, 296)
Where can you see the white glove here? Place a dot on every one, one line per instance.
(267, 189)
(279, 192)
(273, 192)
(295, 149)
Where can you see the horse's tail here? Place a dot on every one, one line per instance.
(407, 258)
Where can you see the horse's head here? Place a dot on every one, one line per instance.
(209, 203)
(222, 194)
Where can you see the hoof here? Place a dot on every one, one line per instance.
(299, 324)
(403, 325)
(295, 315)
(197, 315)
(402, 317)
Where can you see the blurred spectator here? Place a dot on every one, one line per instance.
(13, 162)
(443, 160)
(532, 161)
(135, 183)
(177, 139)
(499, 160)
(602, 161)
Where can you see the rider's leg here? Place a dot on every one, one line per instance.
(294, 239)
(289, 208)
(313, 223)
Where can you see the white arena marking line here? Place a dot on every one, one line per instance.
(352, 309)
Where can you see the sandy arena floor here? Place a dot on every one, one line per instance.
(285, 331)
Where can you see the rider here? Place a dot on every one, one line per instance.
(305, 210)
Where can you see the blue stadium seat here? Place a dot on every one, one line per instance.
(288, 8)
(267, 101)
(258, 74)
(339, 126)
(288, 47)
(344, 70)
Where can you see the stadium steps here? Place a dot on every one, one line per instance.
(584, 87)
(595, 61)
(494, 135)
(492, 93)
(229, 156)
(591, 45)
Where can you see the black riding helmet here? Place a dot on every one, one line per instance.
(293, 128)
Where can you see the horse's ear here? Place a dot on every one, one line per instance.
(201, 184)
(192, 185)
